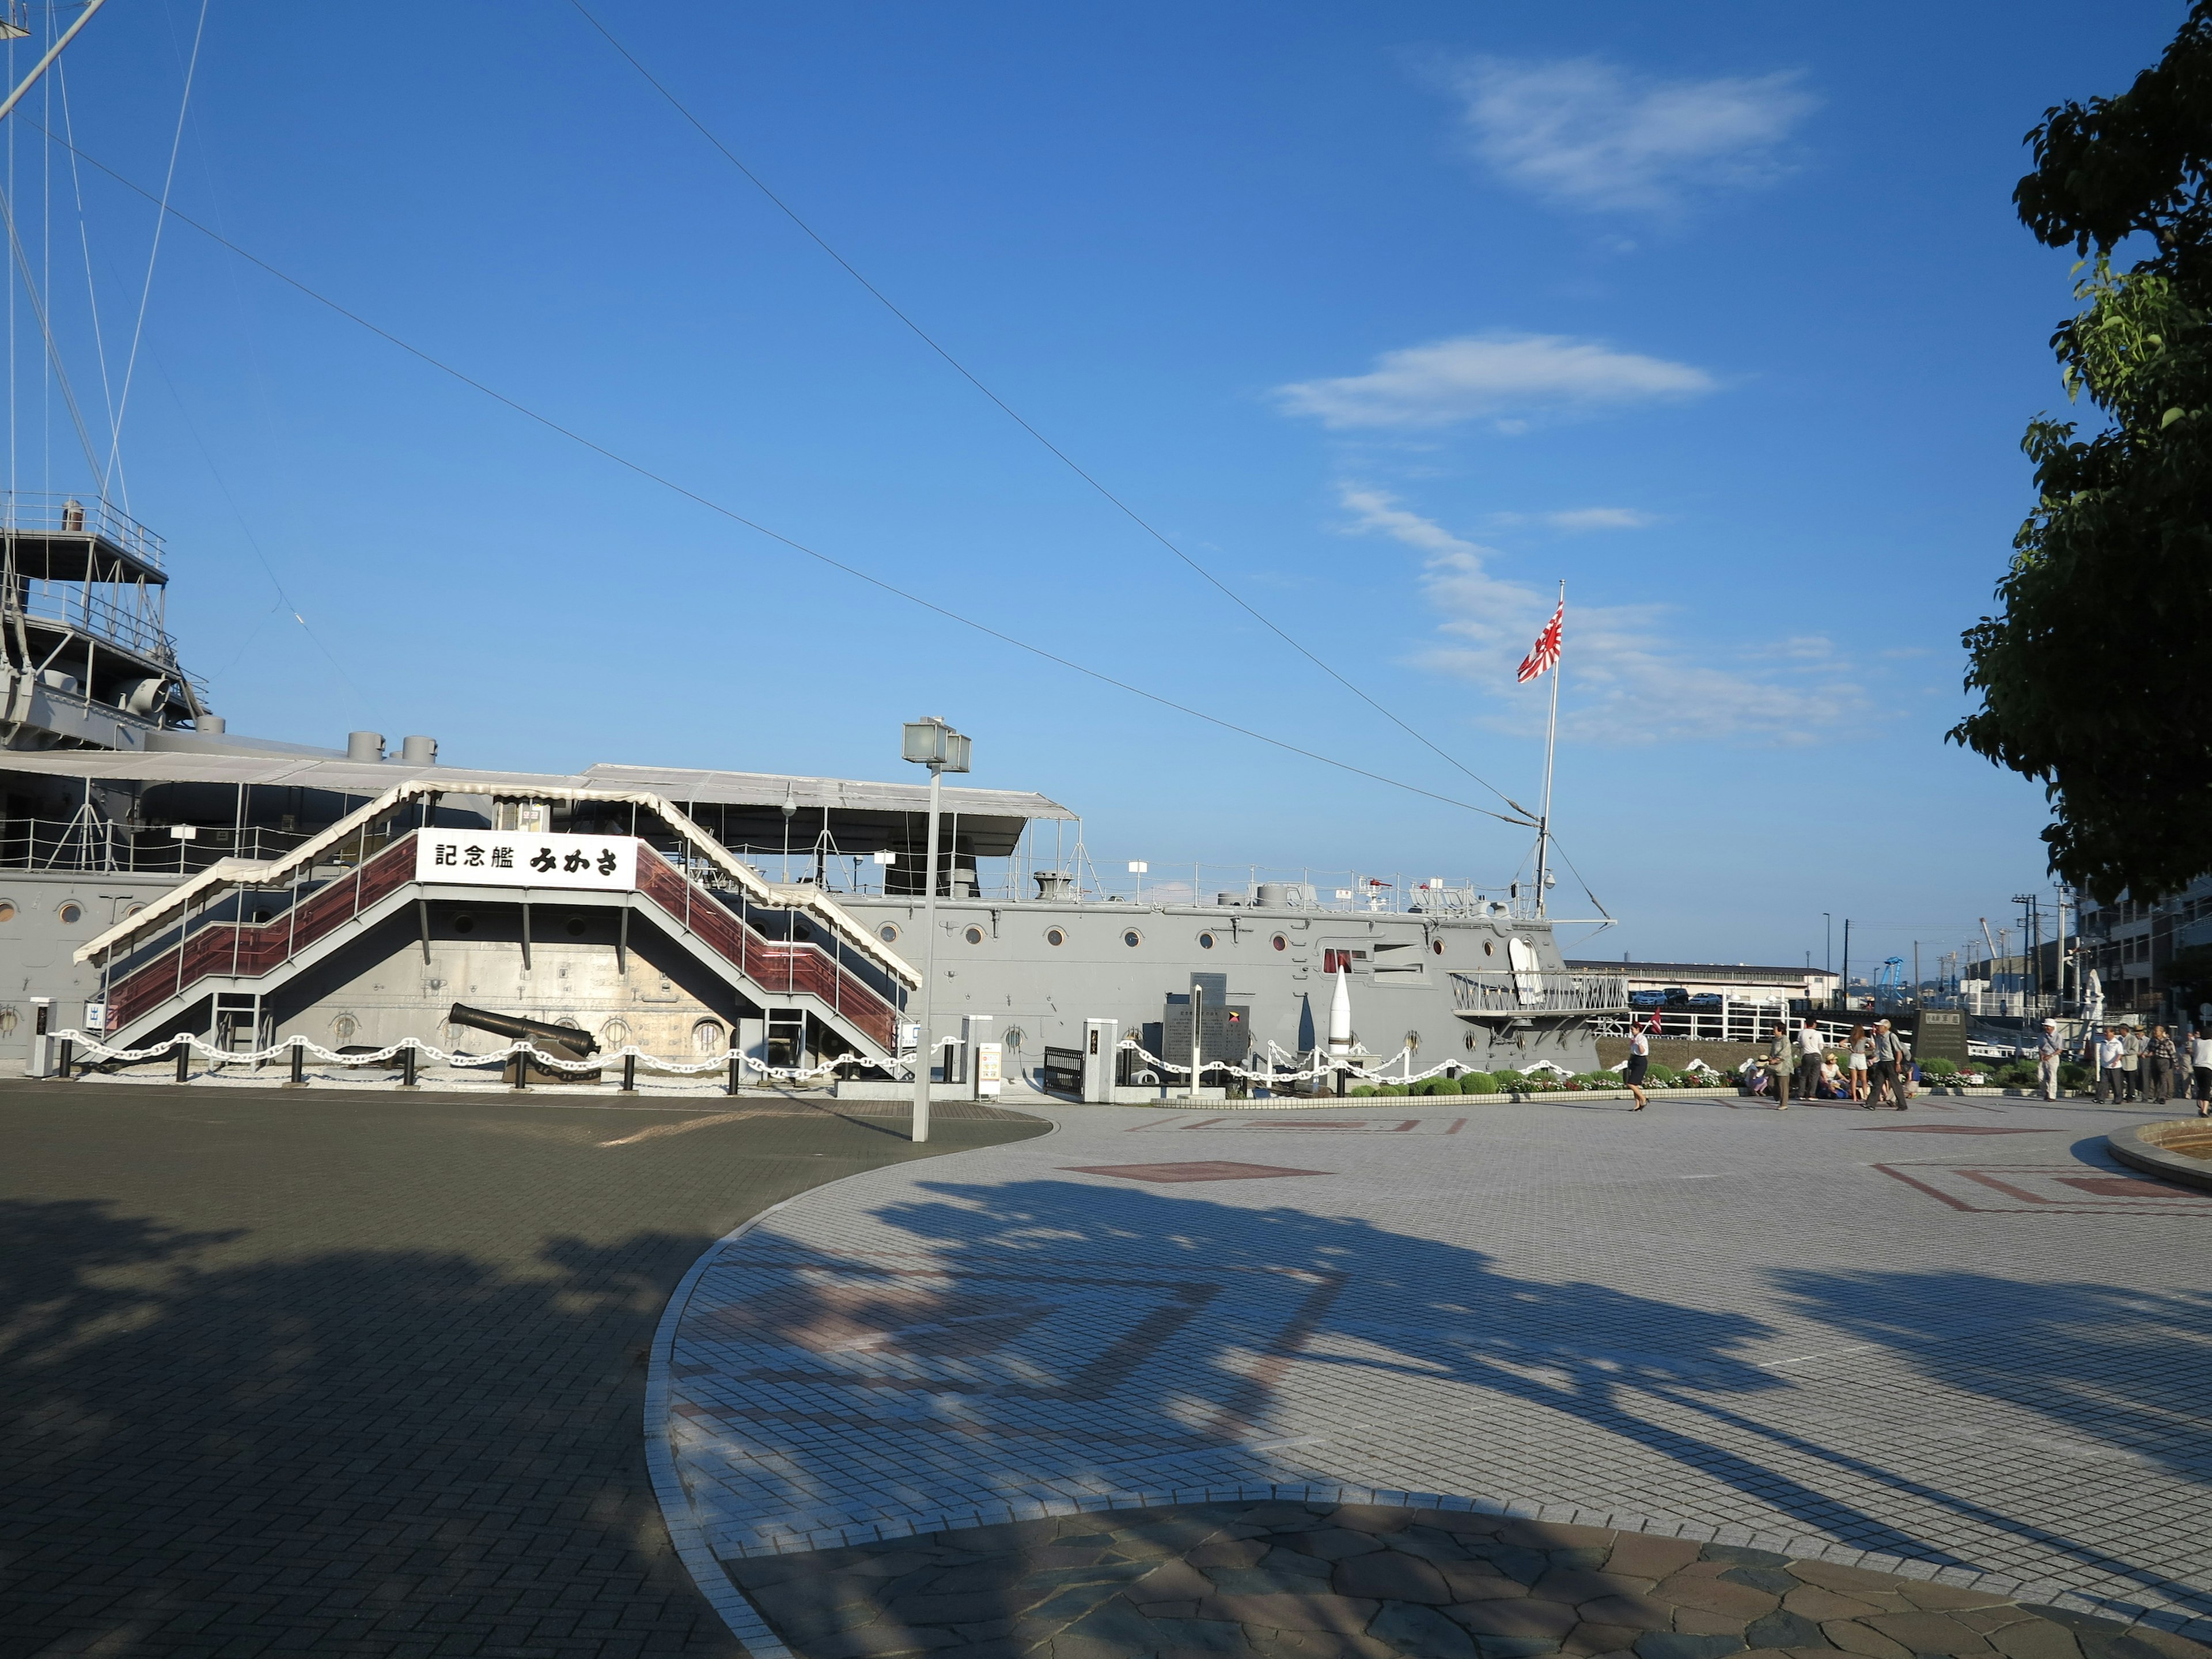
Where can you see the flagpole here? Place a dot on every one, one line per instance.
(1551, 741)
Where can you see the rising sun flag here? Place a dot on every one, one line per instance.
(1545, 653)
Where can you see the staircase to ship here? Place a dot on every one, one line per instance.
(167, 967)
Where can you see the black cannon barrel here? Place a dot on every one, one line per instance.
(582, 1044)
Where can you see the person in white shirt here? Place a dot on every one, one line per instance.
(2200, 1063)
(1639, 1061)
(1811, 1049)
(1862, 1051)
(2111, 1080)
(2047, 1055)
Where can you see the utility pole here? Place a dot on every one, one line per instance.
(1846, 980)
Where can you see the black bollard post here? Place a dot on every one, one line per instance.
(407, 1066)
(183, 1058)
(630, 1074)
(68, 1058)
(734, 1070)
(299, 1064)
(1339, 1083)
(522, 1069)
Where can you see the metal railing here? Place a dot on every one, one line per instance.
(73, 607)
(238, 949)
(45, 513)
(1538, 991)
(105, 847)
(773, 964)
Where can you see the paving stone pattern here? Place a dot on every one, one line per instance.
(353, 1374)
(1322, 1581)
(1727, 1324)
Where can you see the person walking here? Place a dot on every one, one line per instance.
(2048, 1052)
(2110, 1078)
(1861, 1047)
(1639, 1062)
(1887, 1070)
(2160, 1062)
(2200, 1063)
(1812, 1049)
(2131, 1053)
(1779, 1065)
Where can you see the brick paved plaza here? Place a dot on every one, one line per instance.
(333, 1373)
(1961, 1345)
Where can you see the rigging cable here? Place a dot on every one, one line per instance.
(46, 329)
(113, 471)
(84, 238)
(753, 525)
(1064, 458)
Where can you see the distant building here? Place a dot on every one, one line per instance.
(1736, 982)
(2131, 943)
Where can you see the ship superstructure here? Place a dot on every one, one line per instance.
(186, 878)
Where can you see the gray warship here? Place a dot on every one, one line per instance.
(160, 873)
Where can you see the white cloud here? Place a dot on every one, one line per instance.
(1590, 135)
(1597, 518)
(1632, 675)
(1457, 380)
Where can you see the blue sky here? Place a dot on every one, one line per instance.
(1392, 318)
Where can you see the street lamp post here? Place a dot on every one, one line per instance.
(933, 743)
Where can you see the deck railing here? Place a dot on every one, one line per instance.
(1538, 991)
(44, 513)
(107, 847)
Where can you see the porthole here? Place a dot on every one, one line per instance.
(706, 1037)
(576, 928)
(344, 1029)
(1013, 1039)
(464, 923)
(888, 932)
(1205, 941)
(7, 909)
(1055, 937)
(1414, 1041)
(973, 935)
(1437, 945)
(260, 917)
(1470, 1042)
(71, 913)
(1280, 943)
(615, 1034)
(1132, 938)
(1490, 947)
(6, 1022)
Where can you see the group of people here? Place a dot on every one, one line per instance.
(2133, 1067)
(1877, 1064)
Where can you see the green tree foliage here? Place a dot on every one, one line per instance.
(2095, 678)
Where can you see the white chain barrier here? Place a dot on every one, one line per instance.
(1375, 1073)
(91, 1050)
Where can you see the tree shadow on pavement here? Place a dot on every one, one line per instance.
(1089, 1335)
(364, 1451)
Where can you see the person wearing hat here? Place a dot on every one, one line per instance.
(1889, 1067)
(2047, 1055)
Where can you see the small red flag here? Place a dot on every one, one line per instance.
(1545, 653)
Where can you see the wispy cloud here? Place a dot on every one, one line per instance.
(1496, 374)
(1588, 134)
(1578, 519)
(1633, 677)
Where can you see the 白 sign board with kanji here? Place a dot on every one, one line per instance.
(520, 858)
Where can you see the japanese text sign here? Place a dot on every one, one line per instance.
(518, 858)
